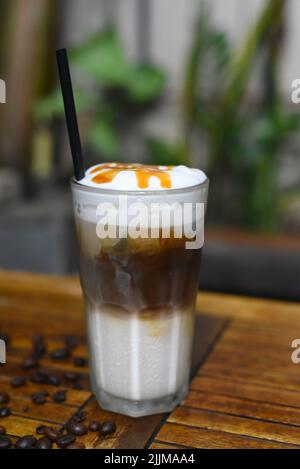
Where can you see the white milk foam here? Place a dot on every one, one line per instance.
(126, 180)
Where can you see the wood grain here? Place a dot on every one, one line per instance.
(192, 437)
(31, 304)
(245, 390)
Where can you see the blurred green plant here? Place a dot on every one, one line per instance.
(242, 142)
(120, 91)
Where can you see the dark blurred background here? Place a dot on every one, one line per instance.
(202, 83)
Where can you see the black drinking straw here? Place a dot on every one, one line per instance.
(70, 112)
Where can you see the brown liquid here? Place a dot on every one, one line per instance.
(107, 172)
(140, 276)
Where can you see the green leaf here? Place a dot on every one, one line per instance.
(163, 153)
(103, 138)
(145, 83)
(102, 58)
(52, 105)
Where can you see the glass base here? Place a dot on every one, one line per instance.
(140, 408)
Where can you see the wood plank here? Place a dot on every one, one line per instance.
(75, 397)
(274, 379)
(244, 308)
(237, 425)
(20, 426)
(158, 445)
(223, 385)
(243, 407)
(210, 439)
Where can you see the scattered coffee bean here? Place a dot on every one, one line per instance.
(25, 442)
(59, 396)
(38, 398)
(2, 430)
(39, 347)
(18, 381)
(60, 354)
(44, 443)
(4, 397)
(106, 428)
(54, 380)
(4, 412)
(30, 363)
(80, 416)
(76, 445)
(76, 428)
(40, 377)
(71, 341)
(80, 361)
(25, 409)
(94, 426)
(51, 433)
(5, 442)
(65, 440)
(40, 430)
(71, 376)
(77, 386)
(39, 351)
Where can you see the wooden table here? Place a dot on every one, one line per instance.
(244, 394)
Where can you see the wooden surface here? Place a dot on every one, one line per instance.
(244, 394)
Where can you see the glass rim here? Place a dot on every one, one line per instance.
(140, 192)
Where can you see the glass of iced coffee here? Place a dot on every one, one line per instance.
(139, 254)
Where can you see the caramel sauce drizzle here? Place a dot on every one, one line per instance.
(107, 172)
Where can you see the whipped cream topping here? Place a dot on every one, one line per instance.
(135, 177)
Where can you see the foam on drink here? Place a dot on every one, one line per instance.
(127, 177)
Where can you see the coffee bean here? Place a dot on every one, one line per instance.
(60, 354)
(39, 377)
(40, 430)
(94, 426)
(25, 442)
(71, 341)
(4, 397)
(39, 347)
(5, 442)
(76, 445)
(80, 361)
(44, 443)
(80, 416)
(30, 363)
(4, 412)
(77, 386)
(38, 398)
(2, 430)
(38, 351)
(51, 433)
(59, 396)
(65, 440)
(54, 380)
(18, 381)
(71, 375)
(106, 428)
(76, 428)
(25, 409)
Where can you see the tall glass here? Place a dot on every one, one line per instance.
(139, 293)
